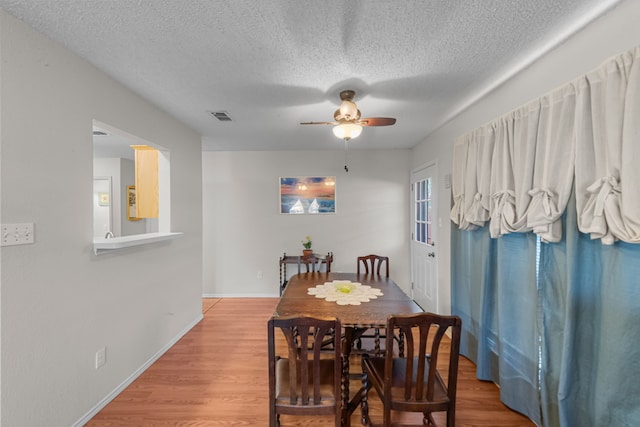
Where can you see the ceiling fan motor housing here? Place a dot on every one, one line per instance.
(347, 112)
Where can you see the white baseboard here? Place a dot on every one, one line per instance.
(109, 397)
(270, 295)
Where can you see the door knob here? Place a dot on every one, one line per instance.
(431, 254)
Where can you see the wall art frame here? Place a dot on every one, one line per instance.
(131, 203)
(311, 195)
(103, 199)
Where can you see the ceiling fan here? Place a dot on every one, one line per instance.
(348, 122)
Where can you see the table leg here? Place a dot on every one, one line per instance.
(349, 405)
(346, 353)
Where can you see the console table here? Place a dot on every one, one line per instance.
(313, 262)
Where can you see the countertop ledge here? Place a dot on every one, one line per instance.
(101, 246)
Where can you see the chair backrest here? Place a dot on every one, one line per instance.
(315, 263)
(423, 334)
(328, 261)
(373, 263)
(283, 273)
(302, 382)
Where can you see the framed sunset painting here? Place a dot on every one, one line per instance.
(308, 195)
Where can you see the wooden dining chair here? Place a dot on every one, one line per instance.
(305, 381)
(315, 263)
(372, 264)
(283, 273)
(413, 383)
(329, 261)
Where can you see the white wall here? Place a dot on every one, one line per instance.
(610, 35)
(244, 232)
(60, 303)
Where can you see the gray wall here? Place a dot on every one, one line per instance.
(244, 233)
(60, 303)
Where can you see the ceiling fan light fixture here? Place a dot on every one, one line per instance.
(347, 131)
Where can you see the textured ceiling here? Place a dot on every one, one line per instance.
(274, 63)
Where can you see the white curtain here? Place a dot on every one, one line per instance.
(608, 152)
(478, 212)
(471, 191)
(517, 172)
(554, 164)
(460, 154)
(512, 170)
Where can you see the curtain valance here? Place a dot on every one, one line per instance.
(517, 172)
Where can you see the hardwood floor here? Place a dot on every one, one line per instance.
(216, 375)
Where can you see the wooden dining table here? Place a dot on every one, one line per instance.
(355, 319)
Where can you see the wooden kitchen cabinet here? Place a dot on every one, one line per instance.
(146, 167)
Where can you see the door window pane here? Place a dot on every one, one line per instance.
(423, 214)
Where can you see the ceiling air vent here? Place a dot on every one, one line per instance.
(99, 133)
(223, 116)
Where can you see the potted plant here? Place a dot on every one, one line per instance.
(307, 251)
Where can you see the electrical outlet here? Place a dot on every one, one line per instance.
(259, 274)
(101, 357)
(17, 234)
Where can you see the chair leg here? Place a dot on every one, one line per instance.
(428, 419)
(344, 380)
(451, 417)
(274, 419)
(364, 403)
(376, 341)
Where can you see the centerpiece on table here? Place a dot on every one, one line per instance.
(306, 243)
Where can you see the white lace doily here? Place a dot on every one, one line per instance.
(345, 292)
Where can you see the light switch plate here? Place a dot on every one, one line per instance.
(17, 234)
(447, 181)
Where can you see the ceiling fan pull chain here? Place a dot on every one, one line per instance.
(346, 155)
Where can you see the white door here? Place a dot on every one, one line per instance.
(424, 254)
(101, 206)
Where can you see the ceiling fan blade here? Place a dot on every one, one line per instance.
(377, 121)
(318, 123)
